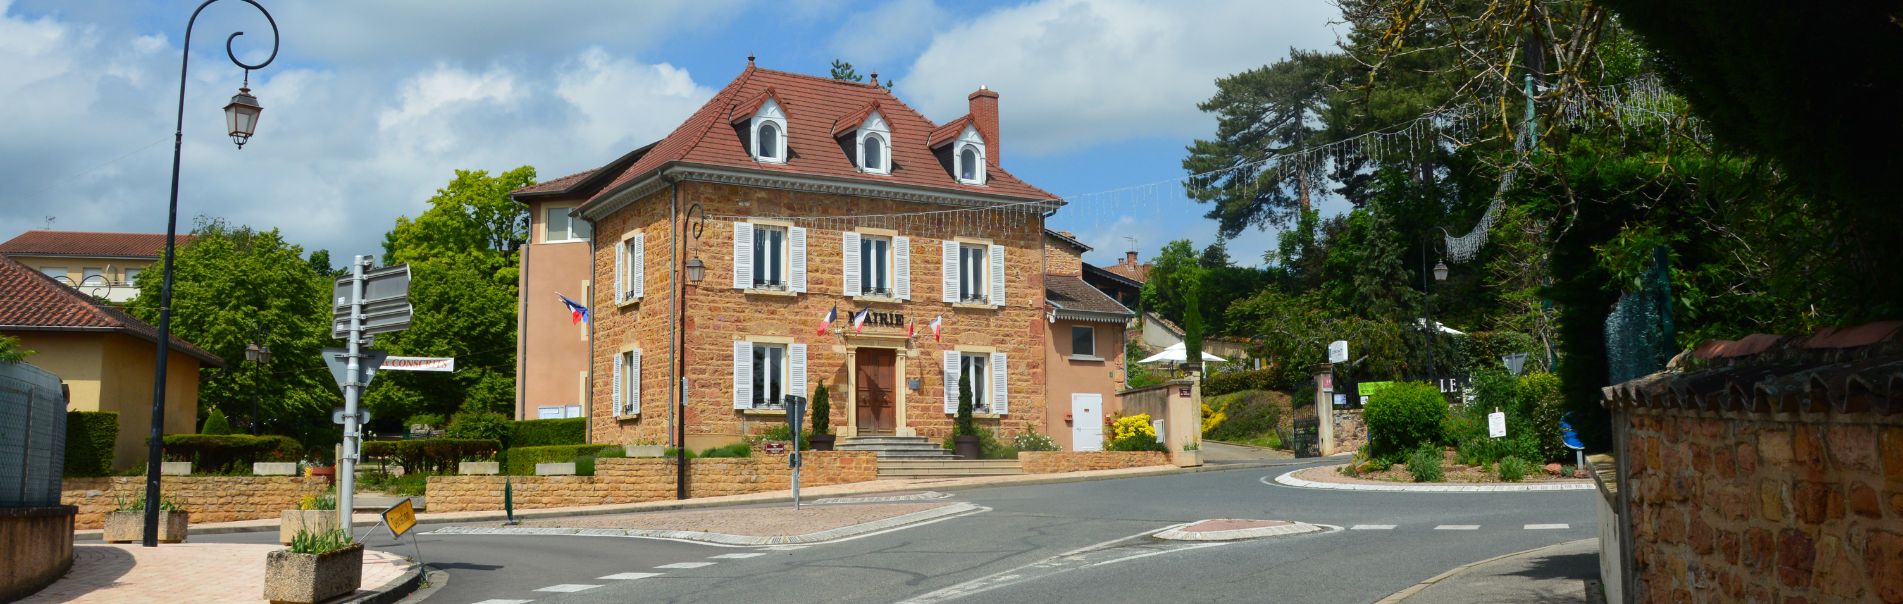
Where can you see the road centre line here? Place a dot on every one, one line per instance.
(1458, 527)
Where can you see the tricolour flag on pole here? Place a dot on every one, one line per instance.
(937, 327)
(911, 329)
(578, 314)
(827, 321)
(859, 319)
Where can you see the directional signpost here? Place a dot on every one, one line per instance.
(368, 302)
(795, 415)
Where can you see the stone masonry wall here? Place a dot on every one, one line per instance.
(1062, 258)
(208, 498)
(633, 480)
(1766, 507)
(1053, 462)
(716, 315)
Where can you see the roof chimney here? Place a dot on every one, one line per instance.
(1130, 257)
(984, 117)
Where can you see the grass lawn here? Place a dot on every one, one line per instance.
(1268, 440)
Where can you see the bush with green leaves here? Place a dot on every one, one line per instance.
(781, 433)
(1404, 417)
(431, 455)
(1513, 469)
(215, 423)
(481, 425)
(585, 465)
(739, 449)
(964, 425)
(1030, 440)
(137, 504)
(1532, 404)
(545, 432)
(320, 543)
(989, 447)
(433, 420)
(1227, 382)
(520, 461)
(229, 453)
(90, 439)
(1424, 464)
(822, 410)
(1247, 415)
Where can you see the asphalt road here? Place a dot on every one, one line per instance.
(1071, 542)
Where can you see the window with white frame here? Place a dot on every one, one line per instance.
(1083, 341)
(769, 257)
(627, 382)
(973, 276)
(92, 275)
(875, 145)
(132, 275)
(968, 157)
(769, 375)
(630, 267)
(875, 265)
(984, 373)
(558, 226)
(769, 133)
(765, 373)
(974, 369)
(56, 272)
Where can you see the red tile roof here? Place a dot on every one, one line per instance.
(88, 244)
(945, 134)
(1072, 293)
(30, 301)
(812, 104)
(557, 184)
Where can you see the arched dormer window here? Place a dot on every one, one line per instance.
(874, 145)
(768, 128)
(968, 157)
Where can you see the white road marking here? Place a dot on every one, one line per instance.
(737, 556)
(1458, 527)
(786, 548)
(1372, 527)
(686, 565)
(628, 576)
(1547, 527)
(505, 602)
(568, 588)
(1108, 552)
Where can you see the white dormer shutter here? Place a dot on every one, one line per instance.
(902, 267)
(951, 382)
(621, 251)
(637, 266)
(997, 275)
(796, 369)
(634, 383)
(743, 375)
(796, 236)
(742, 255)
(950, 271)
(1000, 404)
(615, 376)
(849, 243)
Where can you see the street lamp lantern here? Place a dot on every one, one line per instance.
(695, 270)
(1440, 271)
(251, 353)
(264, 355)
(241, 116)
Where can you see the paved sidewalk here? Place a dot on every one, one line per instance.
(184, 572)
(1551, 574)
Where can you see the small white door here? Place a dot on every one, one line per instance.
(1086, 422)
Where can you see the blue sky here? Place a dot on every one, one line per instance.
(370, 105)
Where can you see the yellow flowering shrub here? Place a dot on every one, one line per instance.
(1132, 425)
(1213, 416)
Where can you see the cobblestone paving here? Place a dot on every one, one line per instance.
(776, 521)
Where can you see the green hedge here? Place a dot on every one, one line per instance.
(1249, 414)
(230, 453)
(90, 440)
(545, 432)
(1226, 382)
(1402, 418)
(520, 461)
(434, 455)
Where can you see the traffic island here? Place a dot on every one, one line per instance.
(1331, 478)
(1233, 529)
(779, 525)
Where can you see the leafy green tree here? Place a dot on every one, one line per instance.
(215, 423)
(11, 351)
(1193, 323)
(1262, 113)
(472, 221)
(843, 71)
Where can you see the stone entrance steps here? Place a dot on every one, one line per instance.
(895, 447)
(940, 468)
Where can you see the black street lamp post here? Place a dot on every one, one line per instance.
(259, 354)
(241, 119)
(1427, 310)
(695, 272)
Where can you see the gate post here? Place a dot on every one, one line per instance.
(1324, 409)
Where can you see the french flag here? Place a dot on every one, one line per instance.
(578, 314)
(937, 324)
(859, 319)
(827, 322)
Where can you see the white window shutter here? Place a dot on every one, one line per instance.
(902, 267)
(950, 271)
(634, 383)
(637, 266)
(615, 376)
(1000, 404)
(997, 275)
(951, 382)
(849, 246)
(796, 369)
(742, 255)
(796, 237)
(743, 375)
(621, 251)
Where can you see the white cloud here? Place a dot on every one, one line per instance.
(876, 38)
(1072, 73)
(617, 98)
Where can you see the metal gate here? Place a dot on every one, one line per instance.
(32, 436)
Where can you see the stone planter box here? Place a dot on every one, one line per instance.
(645, 450)
(274, 468)
(175, 468)
(128, 527)
(309, 578)
(309, 521)
(1188, 459)
(479, 468)
(565, 468)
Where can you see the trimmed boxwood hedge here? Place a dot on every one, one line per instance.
(1403, 418)
(90, 440)
(434, 455)
(520, 461)
(230, 453)
(545, 432)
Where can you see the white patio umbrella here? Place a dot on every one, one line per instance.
(1177, 354)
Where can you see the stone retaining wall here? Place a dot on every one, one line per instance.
(633, 480)
(1053, 462)
(208, 498)
(37, 545)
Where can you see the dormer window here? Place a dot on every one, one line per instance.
(968, 157)
(769, 133)
(873, 144)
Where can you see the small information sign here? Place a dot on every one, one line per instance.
(400, 518)
(1497, 424)
(775, 448)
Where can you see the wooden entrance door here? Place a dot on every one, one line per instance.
(876, 391)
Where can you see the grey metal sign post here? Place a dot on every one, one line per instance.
(795, 416)
(367, 302)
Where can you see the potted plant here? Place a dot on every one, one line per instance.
(126, 523)
(317, 567)
(645, 447)
(1191, 455)
(965, 432)
(822, 437)
(314, 514)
